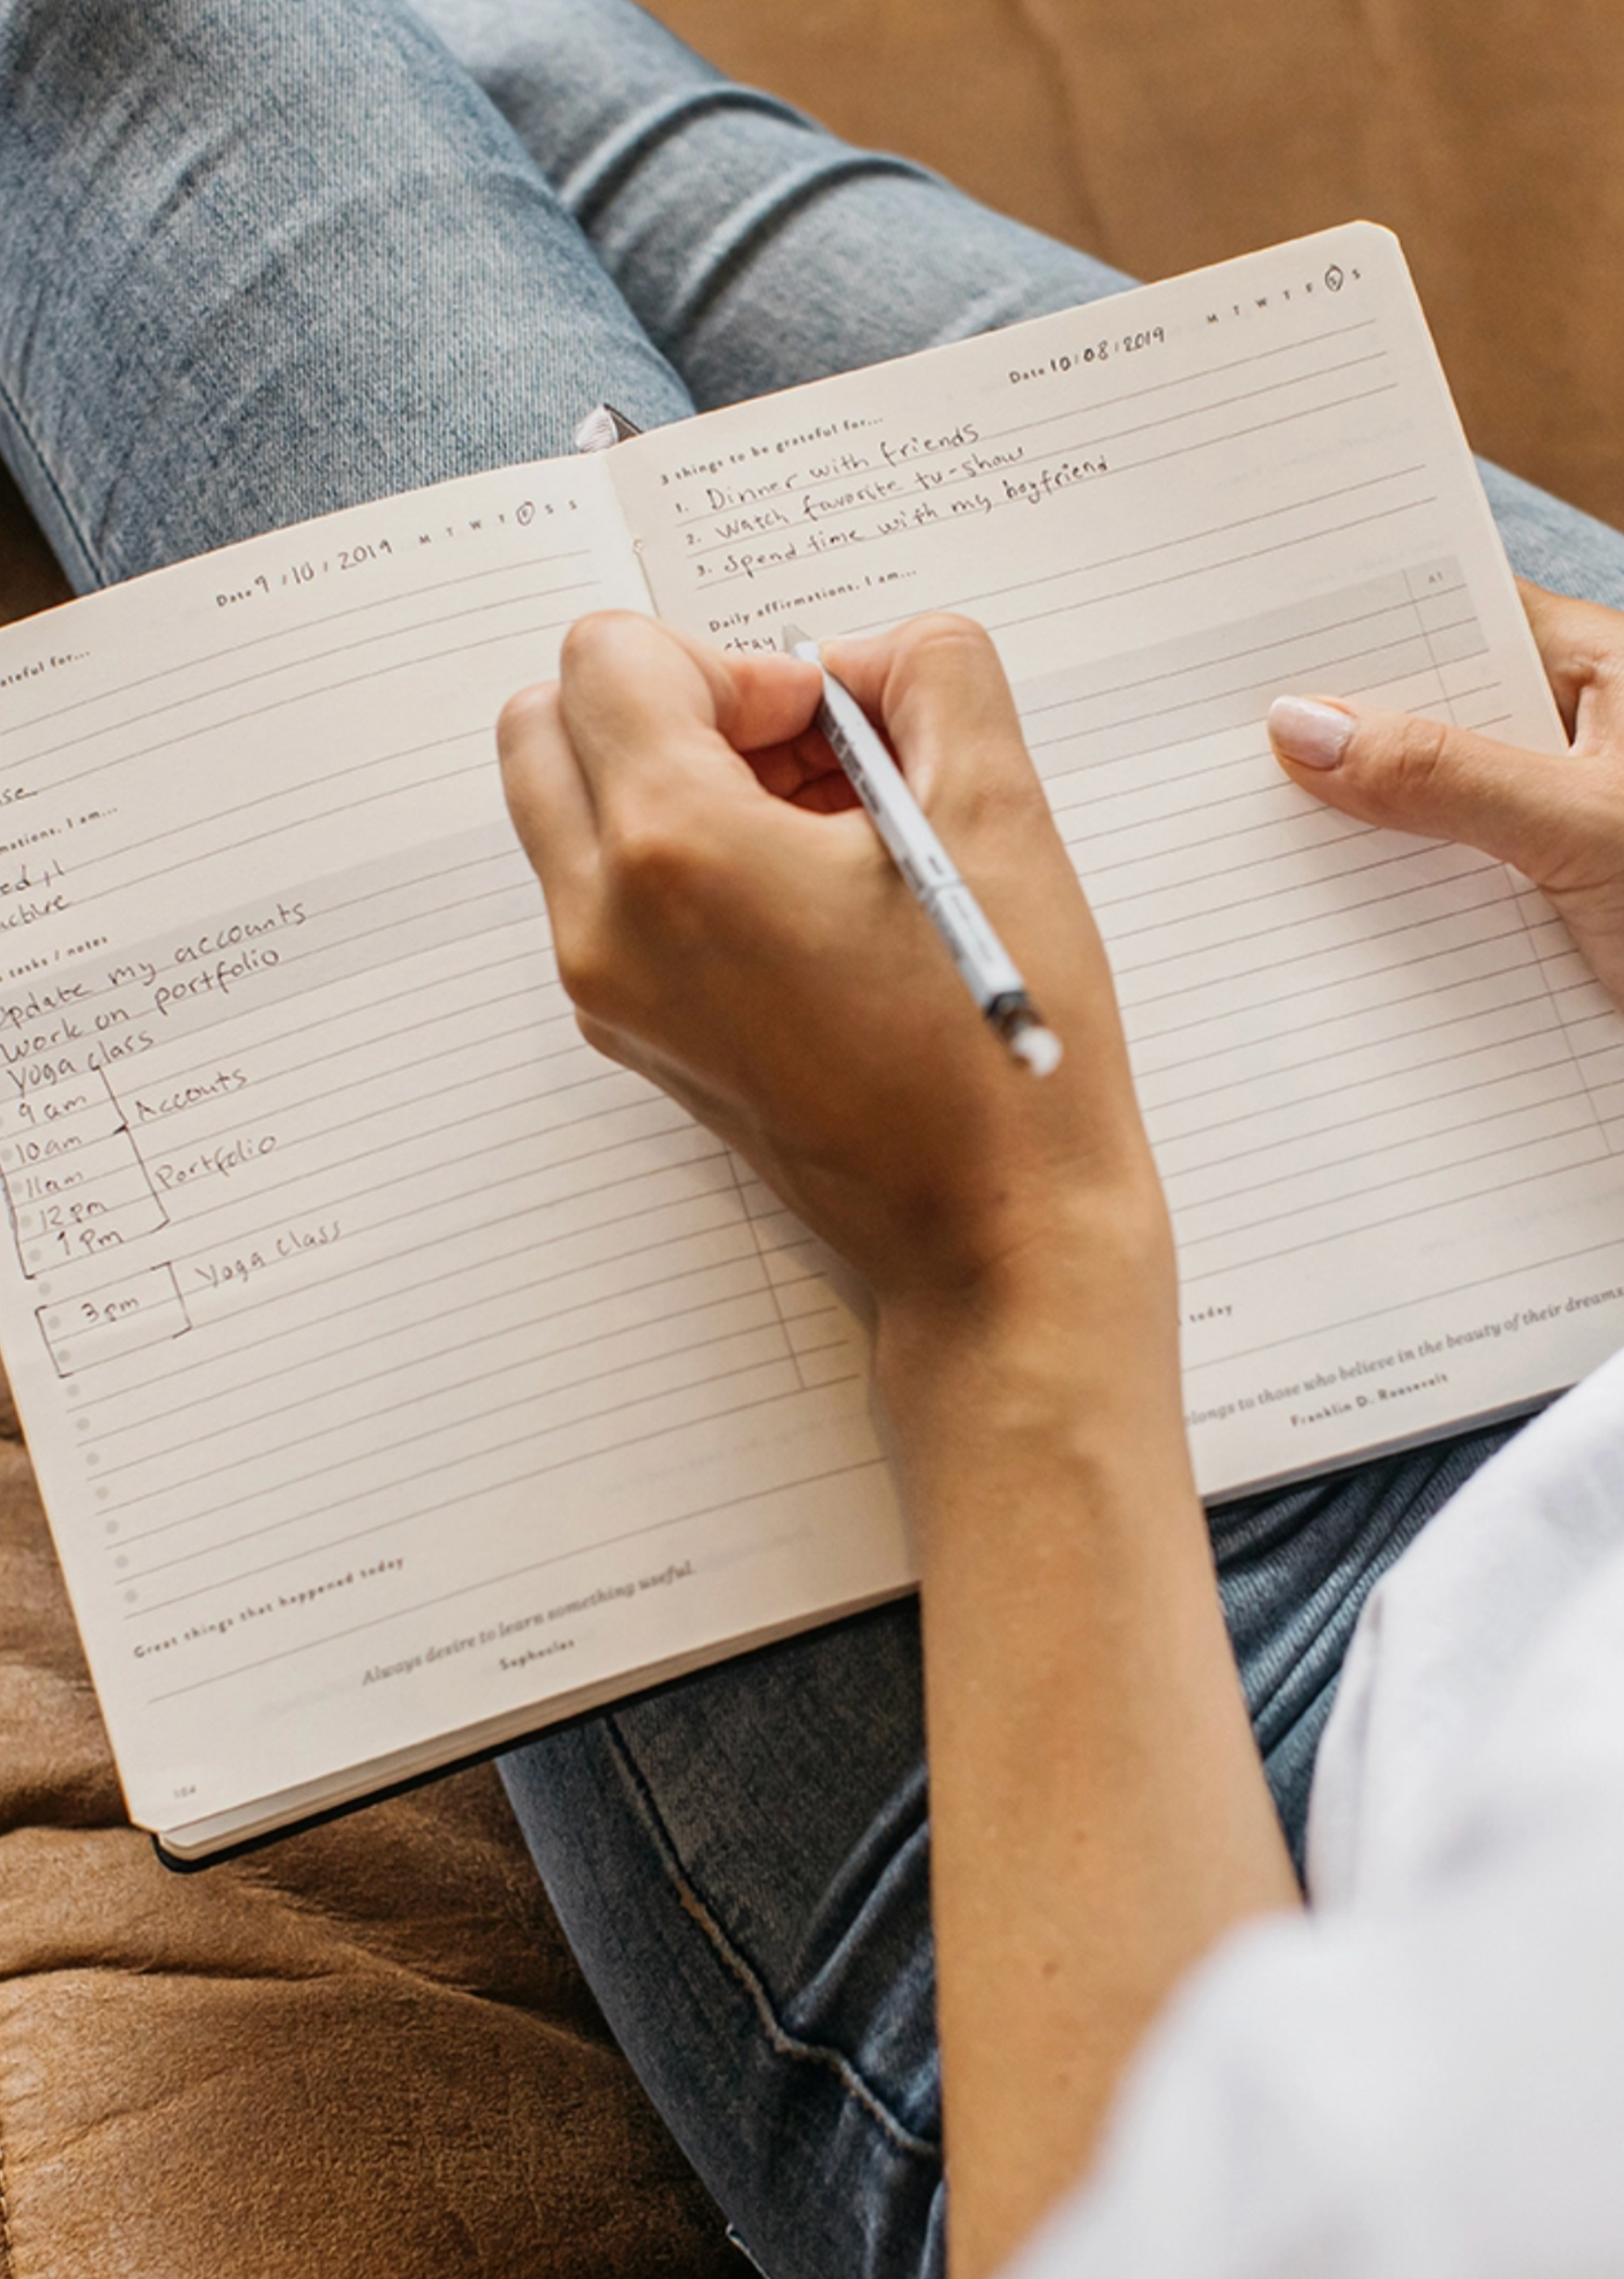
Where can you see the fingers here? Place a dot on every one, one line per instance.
(725, 929)
(639, 717)
(643, 714)
(1578, 644)
(1439, 781)
(547, 792)
(643, 705)
(939, 688)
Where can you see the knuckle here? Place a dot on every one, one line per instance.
(581, 640)
(941, 634)
(603, 1037)
(1602, 667)
(524, 715)
(587, 972)
(643, 857)
(1418, 759)
(657, 871)
(589, 638)
(945, 669)
(576, 647)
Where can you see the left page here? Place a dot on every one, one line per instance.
(396, 1371)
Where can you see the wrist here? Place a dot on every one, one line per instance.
(1071, 1334)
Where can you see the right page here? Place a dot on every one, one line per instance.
(1386, 1097)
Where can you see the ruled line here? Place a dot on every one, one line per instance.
(1074, 412)
(1394, 1218)
(1096, 439)
(305, 658)
(1414, 1176)
(505, 856)
(1315, 632)
(509, 1575)
(1224, 529)
(1586, 1252)
(1337, 1118)
(338, 1387)
(770, 1328)
(1135, 467)
(1408, 962)
(1378, 1009)
(229, 1346)
(527, 1438)
(388, 600)
(170, 743)
(973, 601)
(294, 791)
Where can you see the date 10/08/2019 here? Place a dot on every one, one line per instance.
(1101, 352)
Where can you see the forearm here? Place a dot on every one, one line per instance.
(1099, 1816)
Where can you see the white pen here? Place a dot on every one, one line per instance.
(991, 974)
(989, 971)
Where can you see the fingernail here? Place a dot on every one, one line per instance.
(1314, 735)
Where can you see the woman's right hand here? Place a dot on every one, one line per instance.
(730, 924)
(1559, 819)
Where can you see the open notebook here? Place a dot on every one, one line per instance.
(400, 1376)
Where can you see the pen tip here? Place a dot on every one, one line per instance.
(791, 638)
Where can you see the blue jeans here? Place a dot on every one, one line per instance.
(263, 259)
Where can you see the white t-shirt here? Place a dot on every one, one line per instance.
(1424, 2078)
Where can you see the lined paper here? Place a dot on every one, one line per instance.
(1385, 1095)
(393, 1362)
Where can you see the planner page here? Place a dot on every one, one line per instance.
(1386, 1097)
(392, 1364)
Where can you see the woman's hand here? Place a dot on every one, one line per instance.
(728, 921)
(1559, 820)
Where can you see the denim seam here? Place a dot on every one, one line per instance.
(1349, 1602)
(783, 2043)
(722, 255)
(1300, 1652)
(1328, 1683)
(26, 440)
(1296, 1661)
(602, 174)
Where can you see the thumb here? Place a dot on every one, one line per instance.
(1438, 781)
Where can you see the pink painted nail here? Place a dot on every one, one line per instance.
(1314, 735)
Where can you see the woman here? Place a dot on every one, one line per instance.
(262, 260)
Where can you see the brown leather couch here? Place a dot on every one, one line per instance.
(365, 2053)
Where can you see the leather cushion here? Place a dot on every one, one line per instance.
(365, 2050)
